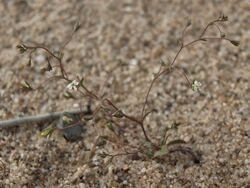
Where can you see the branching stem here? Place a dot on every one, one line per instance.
(84, 91)
(166, 70)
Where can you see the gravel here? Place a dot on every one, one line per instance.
(119, 45)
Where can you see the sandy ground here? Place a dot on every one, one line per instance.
(119, 45)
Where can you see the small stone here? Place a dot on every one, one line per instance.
(125, 167)
(40, 58)
(143, 170)
(82, 185)
(72, 131)
(115, 177)
(125, 182)
(133, 62)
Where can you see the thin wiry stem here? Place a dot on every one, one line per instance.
(67, 41)
(185, 76)
(59, 59)
(178, 53)
(92, 95)
(167, 70)
(208, 25)
(200, 38)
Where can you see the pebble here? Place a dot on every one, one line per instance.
(125, 167)
(143, 170)
(139, 33)
(133, 62)
(82, 185)
(40, 59)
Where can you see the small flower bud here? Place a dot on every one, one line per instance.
(222, 35)
(68, 95)
(26, 85)
(77, 26)
(29, 63)
(235, 42)
(111, 127)
(22, 48)
(223, 18)
(67, 119)
(188, 23)
(47, 132)
(118, 114)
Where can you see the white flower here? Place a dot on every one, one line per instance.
(73, 85)
(196, 85)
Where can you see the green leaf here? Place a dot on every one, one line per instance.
(26, 85)
(111, 127)
(58, 54)
(162, 62)
(150, 154)
(77, 26)
(49, 67)
(29, 63)
(148, 145)
(81, 82)
(163, 151)
(235, 42)
(87, 117)
(106, 109)
(188, 23)
(68, 95)
(22, 48)
(118, 114)
(61, 55)
(178, 141)
(222, 35)
(175, 125)
(67, 120)
(47, 132)
(149, 151)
